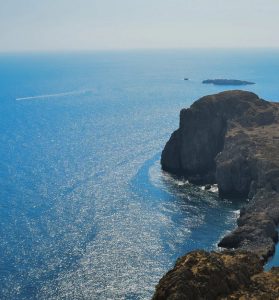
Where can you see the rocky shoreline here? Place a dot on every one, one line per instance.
(231, 139)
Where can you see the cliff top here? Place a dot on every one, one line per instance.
(211, 276)
(255, 119)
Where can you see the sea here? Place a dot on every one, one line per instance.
(85, 210)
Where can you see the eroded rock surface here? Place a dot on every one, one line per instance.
(232, 139)
(256, 229)
(222, 136)
(202, 275)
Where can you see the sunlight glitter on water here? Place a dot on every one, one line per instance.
(85, 210)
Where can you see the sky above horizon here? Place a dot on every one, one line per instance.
(51, 25)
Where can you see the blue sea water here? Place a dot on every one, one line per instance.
(85, 211)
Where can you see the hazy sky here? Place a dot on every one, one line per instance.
(117, 24)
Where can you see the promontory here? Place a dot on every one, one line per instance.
(230, 139)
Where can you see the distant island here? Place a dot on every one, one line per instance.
(227, 82)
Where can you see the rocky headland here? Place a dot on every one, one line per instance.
(230, 139)
(200, 275)
(227, 82)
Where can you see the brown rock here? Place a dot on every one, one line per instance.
(227, 275)
(263, 286)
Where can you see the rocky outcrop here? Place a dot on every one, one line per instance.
(201, 275)
(256, 229)
(232, 139)
(222, 131)
(227, 82)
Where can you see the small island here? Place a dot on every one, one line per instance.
(227, 82)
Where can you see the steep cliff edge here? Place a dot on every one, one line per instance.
(231, 275)
(232, 139)
(216, 132)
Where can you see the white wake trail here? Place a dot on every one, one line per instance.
(54, 95)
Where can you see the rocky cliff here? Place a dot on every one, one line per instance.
(232, 139)
(231, 275)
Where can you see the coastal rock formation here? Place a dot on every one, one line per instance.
(256, 229)
(227, 82)
(232, 139)
(227, 275)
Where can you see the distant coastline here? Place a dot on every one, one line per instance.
(227, 82)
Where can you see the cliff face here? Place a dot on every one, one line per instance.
(232, 139)
(256, 229)
(211, 276)
(219, 138)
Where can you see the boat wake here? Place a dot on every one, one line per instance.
(57, 95)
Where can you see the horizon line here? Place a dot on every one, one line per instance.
(58, 51)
